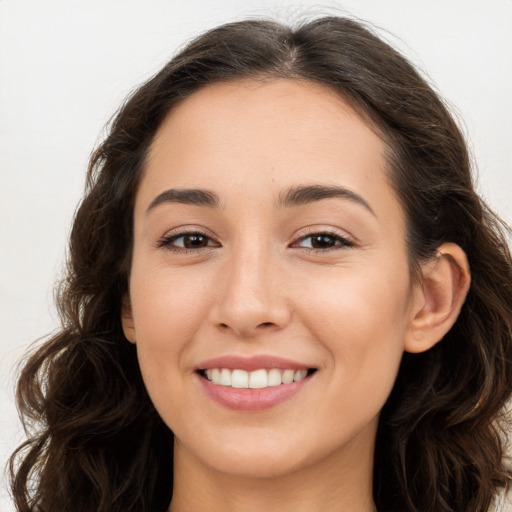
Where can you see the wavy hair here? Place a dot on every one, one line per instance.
(95, 442)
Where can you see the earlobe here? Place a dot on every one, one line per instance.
(127, 320)
(438, 297)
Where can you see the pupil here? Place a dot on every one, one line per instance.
(323, 241)
(194, 241)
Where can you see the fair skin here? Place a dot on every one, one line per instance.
(319, 278)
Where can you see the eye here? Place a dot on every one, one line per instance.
(323, 241)
(187, 241)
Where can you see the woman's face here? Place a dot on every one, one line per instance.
(268, 244)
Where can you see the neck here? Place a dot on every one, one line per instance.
(339, 482)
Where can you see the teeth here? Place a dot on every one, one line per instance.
(225, 377)
(274, 377)
(256, 379)
(299, 375)
(288, 376)
(239, 379)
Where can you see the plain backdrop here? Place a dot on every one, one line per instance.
(65, 66)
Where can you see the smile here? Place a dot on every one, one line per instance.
(257, 379)
(252, 384)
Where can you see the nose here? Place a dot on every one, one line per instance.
(252, 297)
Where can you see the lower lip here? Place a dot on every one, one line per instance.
(245, 399)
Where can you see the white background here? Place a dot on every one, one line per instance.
(66, 65)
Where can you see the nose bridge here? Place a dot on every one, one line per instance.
(251, 297)
(251, 273)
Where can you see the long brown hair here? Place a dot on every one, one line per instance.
(96, 443)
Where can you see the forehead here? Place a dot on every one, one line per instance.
(296, 110)
(256, 137)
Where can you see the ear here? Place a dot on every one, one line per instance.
(438, 297)
(127, 320)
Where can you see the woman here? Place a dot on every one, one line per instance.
(283, 292)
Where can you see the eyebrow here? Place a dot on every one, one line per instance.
(301, 195)
(192, 196)
(295, 196)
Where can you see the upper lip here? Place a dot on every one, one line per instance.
(251, 363)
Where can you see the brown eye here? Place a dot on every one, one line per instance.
(193, 241)
(187, 241)
(323, 241)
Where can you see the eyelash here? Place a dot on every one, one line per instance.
(166, 242)
(341, 241)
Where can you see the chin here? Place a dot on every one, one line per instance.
(258, 455)
(258, 465)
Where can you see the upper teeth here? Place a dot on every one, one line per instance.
(255, 380)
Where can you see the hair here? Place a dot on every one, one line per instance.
(95, 441)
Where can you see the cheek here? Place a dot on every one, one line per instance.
(372, 297)
(361, 320)
(168, 305)
(168, 308)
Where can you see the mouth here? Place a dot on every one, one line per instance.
(257, 379)
(252, 384)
